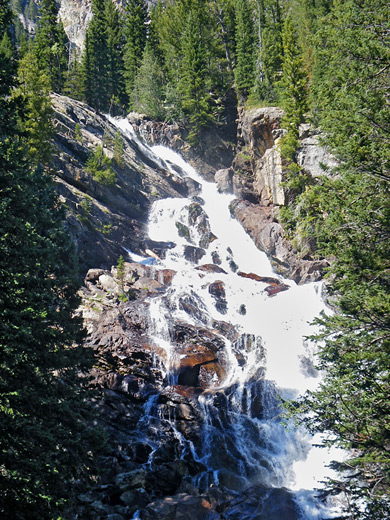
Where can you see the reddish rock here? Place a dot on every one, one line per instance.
(271, 290)
(217, 289)
(199, 356)
(211, 375)
(210, 268)
(257, 278)
(165, 276)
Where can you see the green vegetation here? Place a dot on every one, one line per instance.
(99, 166)
(45, 437)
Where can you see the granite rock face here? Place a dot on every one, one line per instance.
(106, 219)
(256, 179)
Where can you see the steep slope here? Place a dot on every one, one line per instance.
(106, 217)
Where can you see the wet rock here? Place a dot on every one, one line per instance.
(136, 497)
(183, 231)
(271, 290)
(217, 290)
(193, 254)
(242, 310)
(193, 305)
(210, 268)
(224, 180)
(131, 480)
(165, 276)
(216, 258)
(270, 237)
(257, 278)
(179, 507)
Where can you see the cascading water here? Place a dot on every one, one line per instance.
(242, 442)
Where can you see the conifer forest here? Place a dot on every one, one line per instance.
(196, 65)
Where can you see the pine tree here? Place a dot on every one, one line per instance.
(135, 31)
(115, 65)
(245, 51)
(294, 99)
(148, 92)
(348, 214)
(193, 74)
(269, 48)
(51, 44)
(44, 438)
(95, 60)
(34, 89)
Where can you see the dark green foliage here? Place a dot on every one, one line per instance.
(348, 215)
(51, 44)
(351, 82)
(115, 67)
(193, 74)
(99, 166)
(269, 50)
(293, 89)
(135, 31)
(98, 58)
(36, 122)
(149, 92)
(44, 438)
(245, 49)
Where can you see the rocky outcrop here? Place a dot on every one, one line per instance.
(106, 218)
(256, 178)
(152, 421)
(216, 143)
(269, 236)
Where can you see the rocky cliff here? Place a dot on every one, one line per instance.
(106, 217)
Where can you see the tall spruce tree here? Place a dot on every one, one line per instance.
(43, 433)
(115, 47)
(293, 89)
(193, 85)
(95, 60)
(135, 31)
(34, 89)
(348, 215)
(51, 44)
(244, 71)
(148, 91)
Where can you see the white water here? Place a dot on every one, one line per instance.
(271, 454)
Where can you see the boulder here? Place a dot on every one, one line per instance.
(193, 254)
(270, 237)
(210, 268)
(224, 180)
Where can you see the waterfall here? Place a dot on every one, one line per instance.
(242, 442)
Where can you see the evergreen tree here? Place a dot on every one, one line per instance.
(148, 92)
(115, 65)
(294, 99)
(348, 214)
(43, 434)
(269, 48)
(245, 50)
(193, 86)
(135, 35)
(95, 61)
(51, 44)
(34, 89)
